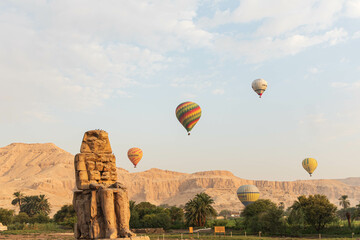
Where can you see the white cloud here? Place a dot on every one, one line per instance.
(353, 8)
(339, 84)
(74, 55)
(318, 118)
(269, 48)
(276, 28)
(278, 16)
(356, 35)
(189, 96)
(218, 91)
(40, 116)
(314, 70)
(199, 82)
(54, 56)
(352, 85)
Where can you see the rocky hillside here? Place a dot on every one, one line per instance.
(36, 169)
(46, 169)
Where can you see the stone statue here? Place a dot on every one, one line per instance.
(101, 203)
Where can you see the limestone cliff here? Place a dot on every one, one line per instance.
(47, 169)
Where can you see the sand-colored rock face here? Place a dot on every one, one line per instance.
(46, 169)
(36, 169)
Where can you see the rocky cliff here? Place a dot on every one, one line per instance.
(46, 169)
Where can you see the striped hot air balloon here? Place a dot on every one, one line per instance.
(248, 194)
(309, 164)
(188, 114)
(135, 155)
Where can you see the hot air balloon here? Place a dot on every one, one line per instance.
(135, 155)
(259, 86)
(309, 164)
(248, 194)
(188, 114)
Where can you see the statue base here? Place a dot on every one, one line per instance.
(132, 238)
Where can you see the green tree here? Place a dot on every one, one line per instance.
(6, 216)
(317, 209)
(132, 205)
(146, 215)
(18, 198)
(39, 218)
(198, 209)
(263, 215)
(225, 213)
(32, 205)
(160, 220)
(177, 217)
(66, 215)
(176, 214)
(356, 212)
(345, 203)
(145, 208)
(296, 216)
(21, 218)
(134, 215)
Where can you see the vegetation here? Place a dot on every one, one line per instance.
(225, 213)
(147, 215)
(307, 216)
(33, 213)
(32, 205)
(199, 209)
(345, 203)
(66, 216)
(6, 216)
(263, 215)
(316, 210)
(18, 198)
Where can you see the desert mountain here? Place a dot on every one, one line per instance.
(36, 169)
(46, 169)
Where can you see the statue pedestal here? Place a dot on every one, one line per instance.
(132, 238)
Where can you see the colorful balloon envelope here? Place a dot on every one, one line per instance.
(248, 194)
(309, 164)
(188, 114)
(135, 155)
(259, 86)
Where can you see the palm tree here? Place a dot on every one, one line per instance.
(198, 209)
(35, 205)
(296, 215)
(18, 199)
(43, 205)
(345, 203)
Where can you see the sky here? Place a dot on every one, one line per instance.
(67, 67)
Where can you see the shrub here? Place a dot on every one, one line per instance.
(66, 216)
(6, 216)
(21, 218)
(264, 215)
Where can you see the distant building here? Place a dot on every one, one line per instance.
(2, 227)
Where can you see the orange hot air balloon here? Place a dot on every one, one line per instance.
(135, 155)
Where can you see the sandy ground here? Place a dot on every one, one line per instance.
(38, 236)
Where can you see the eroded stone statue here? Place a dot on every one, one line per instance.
(101, 203)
